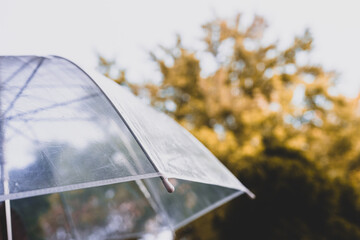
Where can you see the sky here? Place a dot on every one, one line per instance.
(128, 30)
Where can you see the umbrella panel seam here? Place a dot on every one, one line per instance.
(207, 209)
(32, 193)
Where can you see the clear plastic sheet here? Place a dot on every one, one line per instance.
(190, 200)
(87, 151)
(117, 211)
(59, 131)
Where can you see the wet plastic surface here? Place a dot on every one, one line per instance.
(87, 151)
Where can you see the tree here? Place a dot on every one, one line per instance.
(259, 103)
(295, 200)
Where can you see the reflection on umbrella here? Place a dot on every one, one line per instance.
(82, 158)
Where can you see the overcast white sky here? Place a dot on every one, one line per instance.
(127, 30)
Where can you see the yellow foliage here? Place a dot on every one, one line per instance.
(297, 143)
(259, 97)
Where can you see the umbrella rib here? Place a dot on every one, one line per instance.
(8, 219)
(67, 86)
(91, 119)
(24, 135)
(208, 209)
(52, 106)
(38, 98)
(11, 105)
(5, 177)
(18, 70)
(71, 187)
(156, 203)
(68, 217)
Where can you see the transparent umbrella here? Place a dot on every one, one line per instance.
(83, 158)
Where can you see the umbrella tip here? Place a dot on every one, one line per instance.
(251, 195)
(168, 185)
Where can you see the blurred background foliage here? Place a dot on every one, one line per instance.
(275, 120)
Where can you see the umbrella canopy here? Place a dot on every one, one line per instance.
(83, 158)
